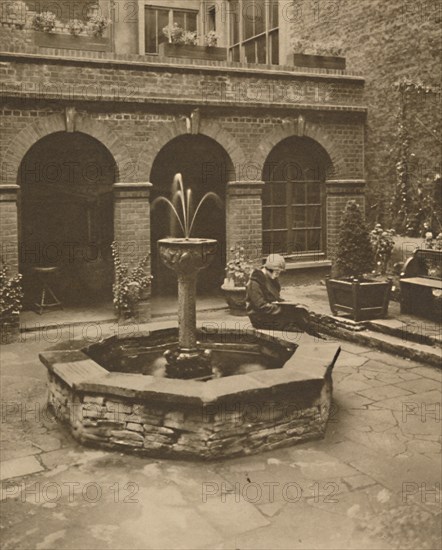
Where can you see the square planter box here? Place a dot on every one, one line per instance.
(192, 52)
(316, 61)
(69, 42)
(361, 300)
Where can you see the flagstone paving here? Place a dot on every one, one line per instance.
(373, 482)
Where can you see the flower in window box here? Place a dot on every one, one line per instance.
(211, 39)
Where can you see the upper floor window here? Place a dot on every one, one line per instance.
(254, 31)
(156, 18)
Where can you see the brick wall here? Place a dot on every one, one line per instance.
(385, 41)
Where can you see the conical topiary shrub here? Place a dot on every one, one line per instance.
(349, 293)
(354, 253)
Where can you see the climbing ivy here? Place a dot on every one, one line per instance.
(413, 204)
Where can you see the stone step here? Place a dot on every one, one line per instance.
(430, 355)
(412, 330)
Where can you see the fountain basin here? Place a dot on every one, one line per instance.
(248, 407)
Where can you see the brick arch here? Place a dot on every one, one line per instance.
(179, 128)
(313, 131)
(43, 127)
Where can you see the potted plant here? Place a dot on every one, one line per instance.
(130, 287)
(351, 291)
(238, 271)
(96, 25)
(44, 21)
(311, 54)
(11, 296)
(182, 43)
(75, 27)
(382, 242)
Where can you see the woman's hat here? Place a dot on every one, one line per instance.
(275, 261)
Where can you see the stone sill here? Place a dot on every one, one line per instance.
(192, 65)
(308, 264)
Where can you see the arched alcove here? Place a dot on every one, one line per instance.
(294, 220)
(66, 216)
(205, 167)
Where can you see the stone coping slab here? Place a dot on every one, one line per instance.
(306, 365)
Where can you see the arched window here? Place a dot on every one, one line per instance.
(293, 198)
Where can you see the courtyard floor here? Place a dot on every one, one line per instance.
(372, 483)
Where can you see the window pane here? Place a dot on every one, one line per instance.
(314, 240)
(163, 21)
(299, 217)
(279, 242)
(266, 218)
(262, 50)
(248, 16)
(234, 21)
(235, 54)
(260, 16)
(211, 19)
(292, 171)
(299, 193)
(274, 15)
(314, 216)
(249, 50)
(299, 244)
(190, 22)
(279, 218)
(314, 193)
(274, 48)
(279, 193)
(151, 30)
(179, 18)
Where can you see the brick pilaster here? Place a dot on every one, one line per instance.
(132, 229)
(9, 226)
(244, 217)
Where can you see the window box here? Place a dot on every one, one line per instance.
(316, 61)
(70, 42)
(193, 52)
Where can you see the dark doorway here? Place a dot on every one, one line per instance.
(66, 217)
(294, 198)
(205, 167)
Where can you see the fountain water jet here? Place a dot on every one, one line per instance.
(186, 256)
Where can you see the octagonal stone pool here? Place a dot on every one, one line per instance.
(265, 392)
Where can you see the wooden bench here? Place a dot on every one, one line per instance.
(421, 275)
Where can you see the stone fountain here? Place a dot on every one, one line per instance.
(201, 391)
(187, 257)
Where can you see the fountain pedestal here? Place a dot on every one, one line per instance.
(187, 257)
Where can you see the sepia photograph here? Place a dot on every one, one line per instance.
(220, 274)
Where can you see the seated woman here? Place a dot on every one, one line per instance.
(263, 295)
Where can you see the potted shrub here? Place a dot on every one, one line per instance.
(238, 271)
(311, 54)
(351, 291)
(183, 43)
(11, 297)
(130, 286)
